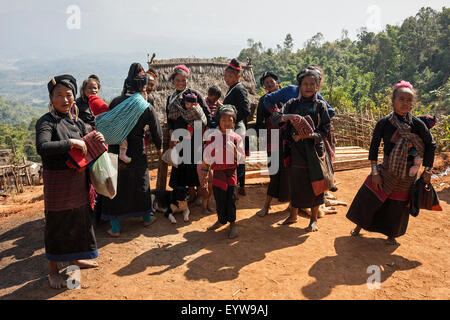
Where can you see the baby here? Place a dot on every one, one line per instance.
(98, 107)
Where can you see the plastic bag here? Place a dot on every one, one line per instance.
(171, 157)
(103, 175)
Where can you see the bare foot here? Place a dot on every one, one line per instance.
(56, 281)
(84, 264)
(207, 211)
(313, 227)
(263, 212)
(112, 234)
(392, 242)
(215, 226)
(233, 231)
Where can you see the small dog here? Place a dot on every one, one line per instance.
(328, 207)
(171, 202)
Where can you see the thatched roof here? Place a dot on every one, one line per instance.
(204, 73)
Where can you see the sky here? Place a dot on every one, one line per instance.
(176, 28)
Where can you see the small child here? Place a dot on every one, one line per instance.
(212, 99)
(98, 107)
(225, 169)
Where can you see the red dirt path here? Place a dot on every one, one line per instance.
(266, 262)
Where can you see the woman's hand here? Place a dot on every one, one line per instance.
(79, 144)
(297, 137)
(377, 182)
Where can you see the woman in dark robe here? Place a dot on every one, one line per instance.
(279, 182)
(304, 149)
(381, 203)
(90, 86)
(237, 96)
(186, 173)
(133, 187)
(69, 233)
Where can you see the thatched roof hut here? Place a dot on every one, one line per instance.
(204, 73)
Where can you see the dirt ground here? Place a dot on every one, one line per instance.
(267, 261)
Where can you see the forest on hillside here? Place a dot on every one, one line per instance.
(361, 73)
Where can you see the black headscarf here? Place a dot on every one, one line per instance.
(133, 73)
(66, 80)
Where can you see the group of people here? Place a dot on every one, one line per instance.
(306, 135)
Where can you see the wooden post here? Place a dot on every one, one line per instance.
(27, 172)
(4, 182)
(18, 190)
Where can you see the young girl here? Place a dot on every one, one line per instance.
(228, 152)
(381, 203)
(237, 96)
(91, 86)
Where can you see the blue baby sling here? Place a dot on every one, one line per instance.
(116, 124)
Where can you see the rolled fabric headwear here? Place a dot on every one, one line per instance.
(182, 67)
(268, 74)
(404, 84)
(231, 65)
(66, 80)
(152, 73)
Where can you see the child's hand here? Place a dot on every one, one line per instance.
(99, 137)
(205, 181)
(427, 177)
